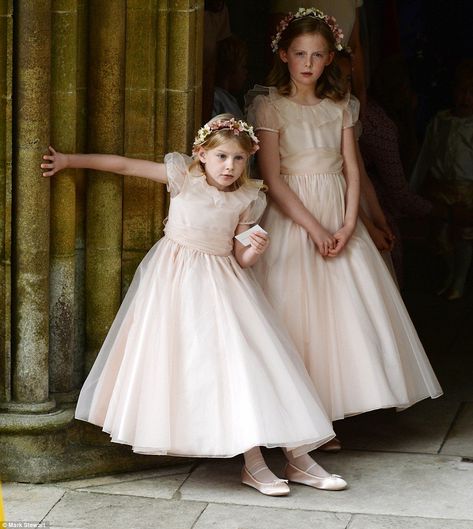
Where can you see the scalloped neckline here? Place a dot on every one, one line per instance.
(302, 105)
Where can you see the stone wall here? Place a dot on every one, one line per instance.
(110, 76)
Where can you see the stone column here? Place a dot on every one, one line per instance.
(161, 48)
(199, 60)
(29, 422)
(140, 103)
(6, 32)
(181, 74)
(161, 131)
(104, 190)
(80, 206)
(179, 84)
(30, 386)
(63, 197)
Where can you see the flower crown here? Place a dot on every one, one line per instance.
(308, 12)
(237, 126)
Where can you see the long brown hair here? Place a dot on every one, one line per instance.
(329, 83)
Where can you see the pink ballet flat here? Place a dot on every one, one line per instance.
(278, 487)
(332, 482)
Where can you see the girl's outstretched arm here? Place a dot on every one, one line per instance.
(352, 195)
(286, 200)
(248, 255)
(57, 161)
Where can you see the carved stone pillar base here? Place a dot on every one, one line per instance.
(54, 447)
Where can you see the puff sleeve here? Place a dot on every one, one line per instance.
(254, 211)
(351, 112)
(177, 165)
(262, 114)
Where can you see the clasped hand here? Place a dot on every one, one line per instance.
(331, 245)
(342, 236)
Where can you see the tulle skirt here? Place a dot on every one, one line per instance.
(345, 314)
(196, 364)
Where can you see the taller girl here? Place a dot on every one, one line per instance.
(322, 272)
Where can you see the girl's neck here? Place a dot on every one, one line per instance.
(304, 95)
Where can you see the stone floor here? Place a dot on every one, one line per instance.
(408, 470)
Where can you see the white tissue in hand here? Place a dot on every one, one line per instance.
(244, 237)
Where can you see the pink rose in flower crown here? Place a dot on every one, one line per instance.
(237, 126)
(308, 12)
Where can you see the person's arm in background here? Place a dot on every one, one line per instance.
(373, 218)
(380, 143)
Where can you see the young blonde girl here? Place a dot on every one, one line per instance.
(322, 273)
(195, 363)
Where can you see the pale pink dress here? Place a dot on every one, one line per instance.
(195, 362)
(345, 314)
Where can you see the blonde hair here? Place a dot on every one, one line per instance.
(218, 138)
(329, 83)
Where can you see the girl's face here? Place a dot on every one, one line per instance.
(306, 58)
(223, 165)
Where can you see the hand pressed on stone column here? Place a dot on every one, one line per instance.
(57, 162)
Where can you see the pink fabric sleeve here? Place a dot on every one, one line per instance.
(254, 211)
(351, 112)
(177, 171)
(262, 114)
